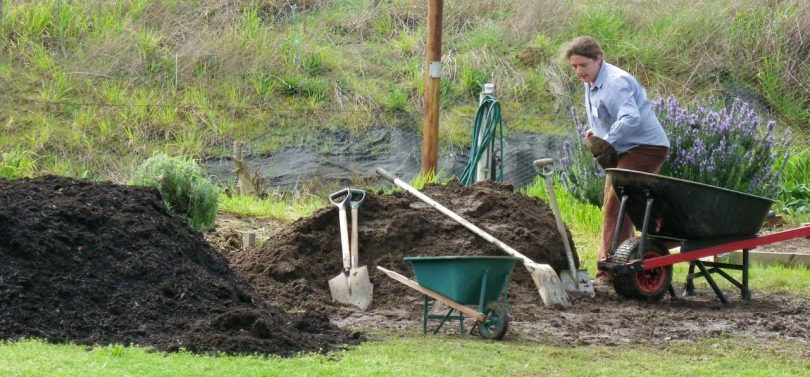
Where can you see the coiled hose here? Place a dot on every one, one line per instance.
(487, 124)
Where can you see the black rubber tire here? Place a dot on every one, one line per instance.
(497, 321)
(649, 285)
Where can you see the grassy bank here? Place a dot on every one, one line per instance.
(91, 88)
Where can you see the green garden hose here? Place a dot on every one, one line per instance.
(487, 124)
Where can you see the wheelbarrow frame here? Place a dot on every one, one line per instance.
(691, 249)
(489, 296)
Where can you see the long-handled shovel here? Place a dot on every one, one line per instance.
(573, 280)
(362, 289)
(351, 285)
(548, 283)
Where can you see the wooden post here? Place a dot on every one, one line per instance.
(433, 63)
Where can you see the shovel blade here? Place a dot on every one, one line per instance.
(581, 283)
(548, 284)
(354, 288)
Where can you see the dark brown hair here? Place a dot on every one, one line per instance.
(582, 46)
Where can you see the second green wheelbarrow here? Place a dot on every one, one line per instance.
(459, 281)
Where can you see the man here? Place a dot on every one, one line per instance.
(618, 112)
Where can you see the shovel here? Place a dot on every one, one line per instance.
(545, 278)
(362, 289)
(573, 280)
(352, 286)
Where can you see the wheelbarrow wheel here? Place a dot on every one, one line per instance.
(650, 285)
(496, 323)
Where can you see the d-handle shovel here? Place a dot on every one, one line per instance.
(548, 283)
(573, 280)
(362, 289)
(346, 287)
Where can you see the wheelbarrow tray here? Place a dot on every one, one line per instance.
(464, 279)
(689, 210)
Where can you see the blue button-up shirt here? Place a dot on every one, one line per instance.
(619, 111)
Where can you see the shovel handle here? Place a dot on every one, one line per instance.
(543, 167)
(357, 197)
(385, 174)
(335, 198)
(345, 194)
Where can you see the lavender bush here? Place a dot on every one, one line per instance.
(580, 174)
(729, 148)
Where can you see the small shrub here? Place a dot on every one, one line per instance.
(185, 189)
(729, 148)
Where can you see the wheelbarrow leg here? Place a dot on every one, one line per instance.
(426, 316)
(746, 293)
(619, 222)
(711, 281)
(447, 316)
(689, 289)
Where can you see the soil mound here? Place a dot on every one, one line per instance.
(293, 267)
(96, 263)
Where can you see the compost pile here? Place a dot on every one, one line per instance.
(292, 268)
(96, 263)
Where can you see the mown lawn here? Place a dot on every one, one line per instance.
(412, 354)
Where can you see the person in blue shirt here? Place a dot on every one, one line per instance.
(618, 112)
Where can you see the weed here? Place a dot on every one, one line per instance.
(396, 100)
(17, 164)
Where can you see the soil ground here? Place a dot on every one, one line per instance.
(97, 263)
(292, 269)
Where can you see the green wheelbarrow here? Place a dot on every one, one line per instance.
(459, 281)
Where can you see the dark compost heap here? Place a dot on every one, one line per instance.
(97, 263)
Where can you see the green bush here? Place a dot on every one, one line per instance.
(185, 189)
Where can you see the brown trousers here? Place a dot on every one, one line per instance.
(648, 159)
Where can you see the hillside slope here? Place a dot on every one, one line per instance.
(91, 88)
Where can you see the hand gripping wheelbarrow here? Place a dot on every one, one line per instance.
(704, 220)
(458, 281)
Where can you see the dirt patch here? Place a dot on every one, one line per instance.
(97, 263)
(292, 269)
(794, 246)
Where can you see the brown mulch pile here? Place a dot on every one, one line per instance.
(293, 267)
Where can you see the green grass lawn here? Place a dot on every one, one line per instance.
(413, 354)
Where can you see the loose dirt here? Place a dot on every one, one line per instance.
(96, 263)
(292, 267)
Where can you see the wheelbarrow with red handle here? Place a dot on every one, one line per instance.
(703, 220)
